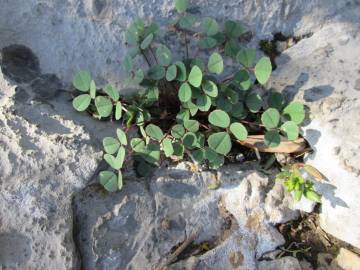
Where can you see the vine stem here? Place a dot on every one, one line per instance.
(147, 60)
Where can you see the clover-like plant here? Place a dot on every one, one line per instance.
(189, 106)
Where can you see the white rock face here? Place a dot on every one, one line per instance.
(89, 34)
(324, 71)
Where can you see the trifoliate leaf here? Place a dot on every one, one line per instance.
(137, 144)
(154, 132)
(182, 116)
(204, 103)
(207, 43)
(116, 162)
(163, 55)
(272, 138)
(210, 88)
(295, 111)
(233, 29)
(253, 102)
(82, 102)
(198, 155)
(239, 131)
(111, 145)
(187, 22)
(242, 79)
(191, 125)
(103, 105)
(220, 142)
(270, 118)
(246, 57)
(184, 92)
(210, 26)
(291, 130)
(275, 100)
(232, 48)
(151, 153)
(109, 181)
(195, 76)
(171, 73)
(113, 93)
(121, 136)
(156, 72)
(82, 81)
(263, 70)
(219, 118)
(189, 140)
(216, 64)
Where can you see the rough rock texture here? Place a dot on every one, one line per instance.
(45, 156)
(89, 34)
(141, 226)
(289, 263)
(323, 71)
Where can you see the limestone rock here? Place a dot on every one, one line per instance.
(348, 260)
(285, 263)
(322, 71)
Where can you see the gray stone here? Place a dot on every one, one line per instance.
(322, 70)
(285, 263)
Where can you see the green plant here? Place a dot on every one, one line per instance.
(296, 183)
(187, 107)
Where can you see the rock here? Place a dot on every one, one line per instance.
(348, 260)
(89, 34)
(324, 262)
(322, 71)
(285, 263)
(46, 156)
(305, 265)
(140, 227)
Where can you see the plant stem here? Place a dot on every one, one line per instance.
(147, 60)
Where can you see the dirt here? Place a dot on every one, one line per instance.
(305, 239)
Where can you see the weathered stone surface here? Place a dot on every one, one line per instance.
(285, 263)
(322, 70)
(89, 34)
(140, 227)
(347, 260)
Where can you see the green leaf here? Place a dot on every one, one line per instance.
(137, 144)
(167, 147)
(295, 111)
(184, 92)
(312, 196)
(146, 42)
(103, 105)
(217, 162)
(263, 70)
(219, 118)
(237, 110)
(182, 116)
(116, 162)
(181, 5)
(291, 130)
(181, 73)
(253, 102)
(223, 103)
(232, 48)
(154, 132)
(210, 88)
(246, 57)
(192, 107)
(204, 103)
(239, 131)
(163, 55)
(82, 81)
(113, 93)
(120, 180)
(156, 72)
(220, 142)
(207, 43)
(178, 150)
(191, 125)
(270, 118)
(232, 96)
(128, 63)
(275, 100)
(233, 29)
(171, 73)
(272, 138)
(198, 155)
(109, 181)
(121, 136)
(111, 145)
(178, 131)
(92, 89)
(195, 76)
(242, 79)
(189, 140)
(187, 22)
(298, 195)
(210, 26)
(216, 64)
(210, 154)
(82, 102)
(138, 76)
(118, 110)
(151, 153)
